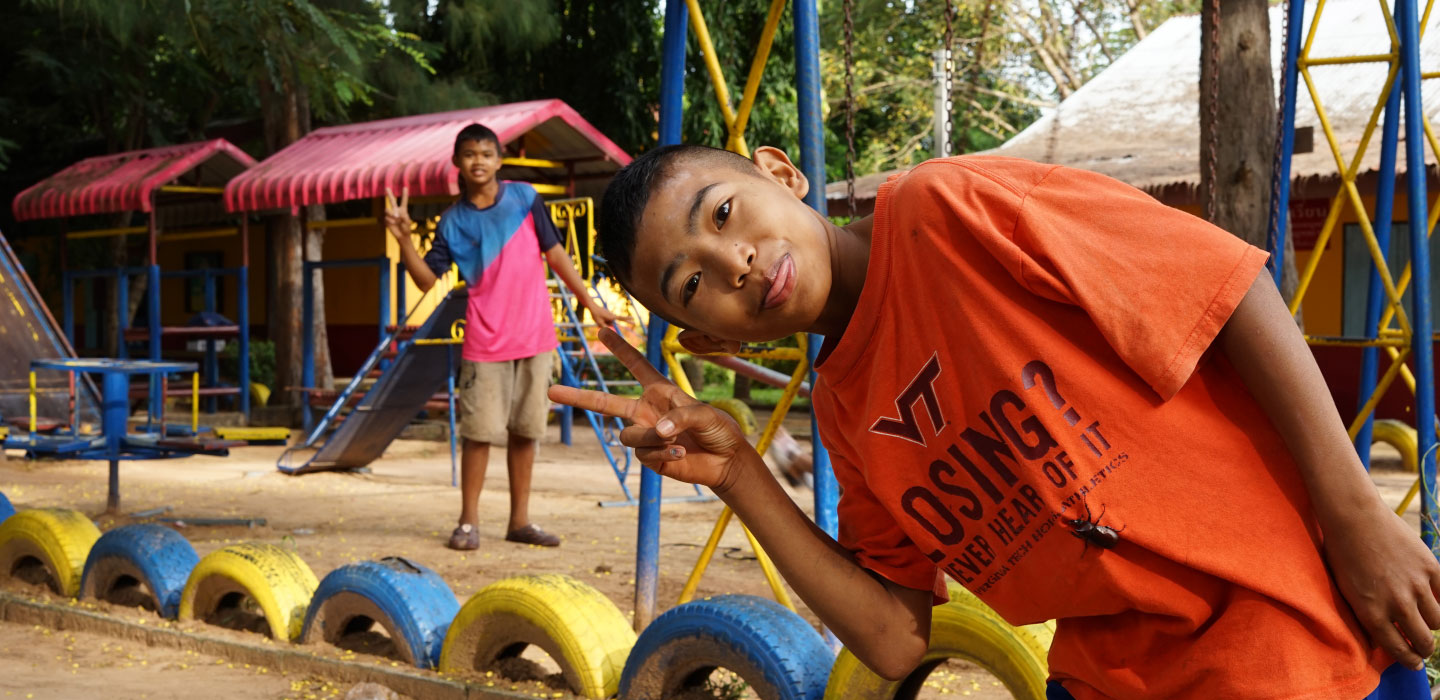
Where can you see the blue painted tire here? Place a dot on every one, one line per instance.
(772, 649)
(6, 510)
(410, 601)
(145, 565)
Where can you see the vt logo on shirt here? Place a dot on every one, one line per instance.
(981, 504)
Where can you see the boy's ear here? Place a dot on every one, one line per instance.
(774, 163)
(702, 344)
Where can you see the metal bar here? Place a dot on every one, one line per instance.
(647, 539)
(812, 163)
(757, 71)
(243, 284)
(106, 232)
(543, 188)
(67, 301)
(1384, 204)
(32, 402)
(717, 76)
(212, 359)
(197, 235)
(384, 299)
(1346, 60)
(450, 385)
(122, 305)
(532, 163)
(1287, 144)
(707, 554)
(1422, 353)
(344, 223)
(189, 189)
(307, 334)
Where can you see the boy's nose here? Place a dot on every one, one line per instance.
(741, 259)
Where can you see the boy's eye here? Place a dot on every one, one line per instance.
(691, 284)
(722, 213)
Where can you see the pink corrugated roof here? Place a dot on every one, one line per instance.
(124, 181)
(358, 161)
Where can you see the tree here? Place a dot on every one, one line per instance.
(1237, 86)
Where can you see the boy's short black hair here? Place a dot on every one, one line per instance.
(629, 192)
(479, 133)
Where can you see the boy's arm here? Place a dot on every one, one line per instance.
(564, 268)
(398, 223)
(887, 626)
(1384, 571)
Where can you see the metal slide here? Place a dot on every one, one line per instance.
(417, 372)
(28, 332)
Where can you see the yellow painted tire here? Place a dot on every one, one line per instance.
(275, 579)
(58, 538)
(1400, 436)
(575, 624)
(740, 412)
(964, 628)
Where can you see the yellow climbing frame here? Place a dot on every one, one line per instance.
(1395, 341)
(735, 122)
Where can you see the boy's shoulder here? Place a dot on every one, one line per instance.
(1013, 176)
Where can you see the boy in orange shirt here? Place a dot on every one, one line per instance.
(1079, 403)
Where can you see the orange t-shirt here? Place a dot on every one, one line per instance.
(1031, 340)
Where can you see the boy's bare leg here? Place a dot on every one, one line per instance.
(474, 459)
(520, 459)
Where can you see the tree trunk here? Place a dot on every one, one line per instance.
(1245, 120)
(314, 252)
(286, 118)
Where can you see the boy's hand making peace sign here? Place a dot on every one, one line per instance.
(397, 216)
(671, 432)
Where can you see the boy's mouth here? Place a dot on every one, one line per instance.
(779, 281)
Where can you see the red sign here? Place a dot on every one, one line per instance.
(1307, 217)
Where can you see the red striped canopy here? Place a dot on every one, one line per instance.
(358, 161)
(125, 181)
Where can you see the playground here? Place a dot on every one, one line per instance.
(228, 393)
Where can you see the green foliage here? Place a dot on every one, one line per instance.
(262, 362)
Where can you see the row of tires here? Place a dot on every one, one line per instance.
(773, 650)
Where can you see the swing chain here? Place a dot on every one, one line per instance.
(946, 148)
(1271, 232)
(849, 27)
(1212, 88)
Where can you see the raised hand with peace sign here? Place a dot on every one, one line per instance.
(670, 432)
(397, 216)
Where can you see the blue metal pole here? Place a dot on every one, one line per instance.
(1408, 23)
(67, 316)
(212, 359)
(243, 292)
(450, 376)
(812, 163)
(672, 93)
(385, 296)
(122, 305)
(307, 344)
(1287, 105)
(1375, 294)
(157, 397)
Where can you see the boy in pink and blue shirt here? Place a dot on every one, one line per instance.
(496, 235)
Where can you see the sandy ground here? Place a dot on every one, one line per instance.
(405, 506)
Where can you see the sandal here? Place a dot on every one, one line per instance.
(532, 534)
(464, 538)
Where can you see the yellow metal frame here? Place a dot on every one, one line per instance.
(735, 122)
(1395, 341)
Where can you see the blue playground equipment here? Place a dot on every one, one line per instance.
(812, 163)
(409, 600)
(144, 559)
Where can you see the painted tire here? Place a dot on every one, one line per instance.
(773, 650)
(964, 628)
(411, 602)
(1400, 436)
(127, 558)
(575, 624)
(59, 538)
(740, 412)
(276, 579)
(6, 510)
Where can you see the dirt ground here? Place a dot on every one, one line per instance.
(405, 506)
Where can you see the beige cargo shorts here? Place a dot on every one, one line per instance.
(500, 398)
